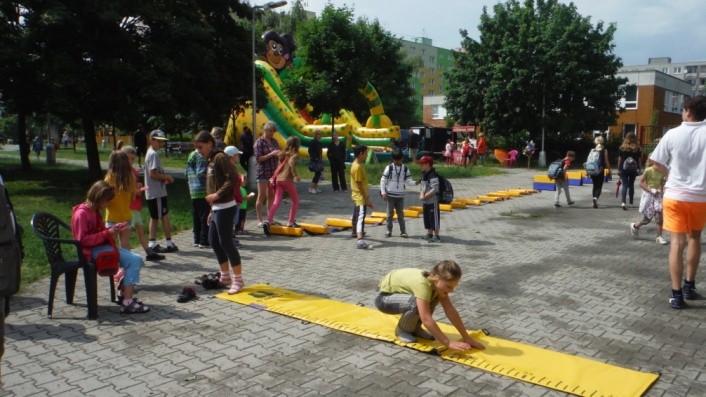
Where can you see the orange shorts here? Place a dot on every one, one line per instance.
(683, 216)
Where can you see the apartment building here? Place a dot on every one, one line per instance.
(693, 73)
(652, 104)
(427, 79)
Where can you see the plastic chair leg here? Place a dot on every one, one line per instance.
(91, 278)
(70, 284)
(53, 281)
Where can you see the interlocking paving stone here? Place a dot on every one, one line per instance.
(571, 280)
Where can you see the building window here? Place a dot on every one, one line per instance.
(432, 70)
(431, 82)
(630, 99)
(677, 69)
(691, 69)
(673, 102)
(432, 59)
(628, 128)
(665, 70)
(438, 112)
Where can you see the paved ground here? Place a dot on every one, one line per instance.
(569, 279)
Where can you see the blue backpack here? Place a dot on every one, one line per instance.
(593, 164)
(556, 169)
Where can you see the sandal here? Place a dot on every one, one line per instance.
(187, 294)
(135, 307)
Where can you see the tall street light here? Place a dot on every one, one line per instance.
(265, 7)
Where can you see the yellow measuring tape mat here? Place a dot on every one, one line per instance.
(555, 370)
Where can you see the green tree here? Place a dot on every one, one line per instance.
(389, 73)
(335, 66)
(22, 85)
(539, 63)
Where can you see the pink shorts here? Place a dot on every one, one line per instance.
(683, 216)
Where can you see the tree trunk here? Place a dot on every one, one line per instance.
(89, 135)
(22, 138)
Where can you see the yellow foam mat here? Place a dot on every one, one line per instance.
(555, 370)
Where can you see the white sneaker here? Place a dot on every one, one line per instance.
(661, 240)
(634, 231)
(363, 245)
(312, 190)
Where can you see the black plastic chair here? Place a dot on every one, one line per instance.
(49, 228)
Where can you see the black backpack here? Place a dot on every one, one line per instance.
(11, 250)
(446, 191)
(630, 166)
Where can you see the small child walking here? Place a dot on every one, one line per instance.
(415, 293)
(285, 182)
(562, 181)
(359, 194)
(652, 184)
(430, 201)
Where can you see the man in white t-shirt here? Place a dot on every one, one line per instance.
(681, 154)
(156, 181)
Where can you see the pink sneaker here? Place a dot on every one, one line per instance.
(237, 285)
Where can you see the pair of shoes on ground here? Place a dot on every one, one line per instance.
(403, 235)
(432, 239)
(153, 256)
(557, 205)
(160, 250)
(187, 294)
(411, 337)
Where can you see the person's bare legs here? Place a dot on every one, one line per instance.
(166, 227)
(262, 198)
(693, 254)
(140, 231)
(676, 261)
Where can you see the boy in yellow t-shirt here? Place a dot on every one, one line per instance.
(359, 194)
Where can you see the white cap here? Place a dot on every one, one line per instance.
(232, 151)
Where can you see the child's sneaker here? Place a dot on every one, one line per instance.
(153, 256)
(661, 240)
(435, 239)
(689, 292)
(362, 245)
(237, 285)
(172, 248)
(677, 301)
(266, 228)
(135, 307)
(404, 235)
(634, 231)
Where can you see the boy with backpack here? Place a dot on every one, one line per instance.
(429, 198)
(558, 170)
(392, 186)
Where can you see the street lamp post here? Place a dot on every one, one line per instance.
(267, 6)
(542, 153)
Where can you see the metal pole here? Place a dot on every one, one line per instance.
(542, 153)
(254, 82)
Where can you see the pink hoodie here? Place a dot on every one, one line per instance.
(88, 228)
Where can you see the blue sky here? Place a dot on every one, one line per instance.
(646, 28)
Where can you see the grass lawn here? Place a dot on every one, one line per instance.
(56, 189)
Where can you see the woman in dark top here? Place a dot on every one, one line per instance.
(629, 164)
(315, 156)
(337, 157)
